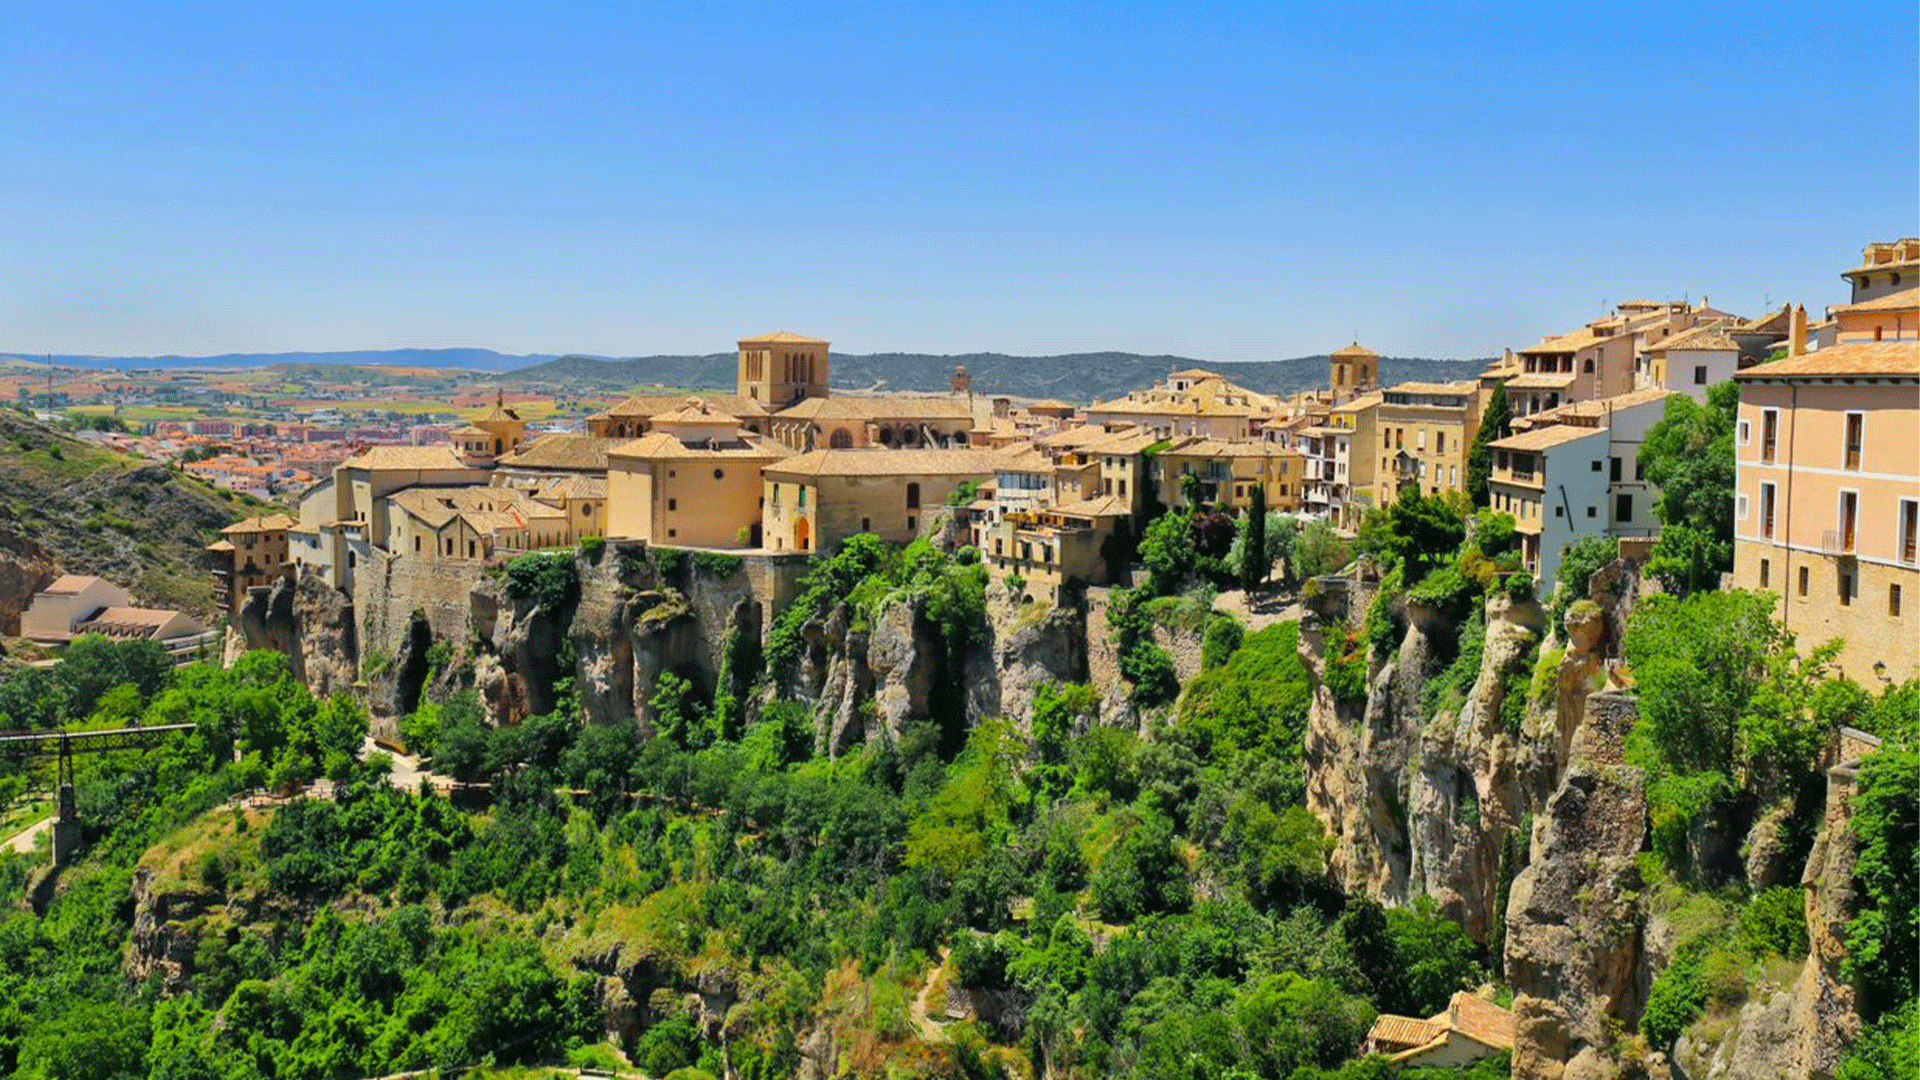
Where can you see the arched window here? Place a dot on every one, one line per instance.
(886, 436)
(1589, 365)
(841, 439)
(913, 496)
(909, 436)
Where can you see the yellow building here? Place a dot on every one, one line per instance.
(1193, 402)
(1230, 472)
(633, 417)
(896, 422)
(471, 524)
(814, 501)
(1827, 503)
(1353, 371)
(1887, 267)
(1422, 432)
(1604, 358)
(1053, 548)
(500, 431)
(250, 554)
(694, 481)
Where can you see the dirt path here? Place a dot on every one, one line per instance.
(22, 842)
(1268, 607)
(924, 1025)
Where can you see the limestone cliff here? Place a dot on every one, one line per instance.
(309, 621)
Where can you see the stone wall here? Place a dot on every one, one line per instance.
(388, 589)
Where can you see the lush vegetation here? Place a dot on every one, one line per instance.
(1689, 455)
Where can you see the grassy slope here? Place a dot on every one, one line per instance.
(90, 511)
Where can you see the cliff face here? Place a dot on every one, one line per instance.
(1573, 920)
(307, 620)
(1417, 804)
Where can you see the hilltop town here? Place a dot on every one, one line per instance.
(1056, 494)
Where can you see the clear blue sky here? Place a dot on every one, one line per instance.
(1223, 181)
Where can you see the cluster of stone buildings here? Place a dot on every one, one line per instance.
(1051, 493)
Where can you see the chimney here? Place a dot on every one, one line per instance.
(1797, 331)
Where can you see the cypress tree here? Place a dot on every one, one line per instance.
(1496, 423)
(1253, 553)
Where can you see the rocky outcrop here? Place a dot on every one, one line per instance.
(163, 939)
(310, 622)
(1799, 1031)
(1420, 805)
(1573, 953)
(24, 570)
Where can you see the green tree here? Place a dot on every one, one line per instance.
(1578, 563)
(1884, 938)
(1495, 423)
(1253, 547)
(1689, 455)
(1417, 531)
(1319, 549)
(1168, 552)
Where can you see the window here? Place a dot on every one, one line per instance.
(1423, 438)
(1439, 442)
(913, 496)
(1596, 465)
(1588, 366)
(803, 497)
(1740, 508)
(469, 549)
(1765, 572)
(1639, 468)
(1766, 510)
(1849, 587)
(673, 504)
(1856, 431)
(1769, 433)
(416, 543)
(719, 474)
(1699, 374)
(1623, 508)
(1803, 582)
(673, 532)
(1893, 601)
(1593, 511)
(1559, 511)
(1613, 470)
(1849, 518)
(913, 523)
(1909, 526)
(841, 439)
(1746, 432)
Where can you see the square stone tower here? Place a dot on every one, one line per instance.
(782, 368)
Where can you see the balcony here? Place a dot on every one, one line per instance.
(1838, 543)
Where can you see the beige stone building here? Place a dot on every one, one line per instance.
(1827, 504)
(633, 417)
(1887, 267)
(1230, 471)
(1056, 547)
(73, 605)
(483, 441)
(694, 481)
(471, 524)
(1193, 402)
(783, 368)
(814, 501)
(250, 554)
(1604, 358)
(896, 422)
(1422, 433)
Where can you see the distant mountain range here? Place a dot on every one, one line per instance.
(467, 359)
(1077, 377)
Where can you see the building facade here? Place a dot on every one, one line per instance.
(1827, 502)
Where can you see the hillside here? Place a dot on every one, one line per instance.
(474, 359)
(1077, 377)
(66, 505)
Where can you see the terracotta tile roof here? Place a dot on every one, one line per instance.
(486, 508)
(470, 430)
(220, 545)
(1707, 337)
(695, 410)
(68, 584)
(575, 487)
(263, 523)
(1197, 373)
(891, 407)
(880, 462)
(562, 450)
(1904, 300)
(784, 337)
(1564, 343)
(1478, 1018)
(1361, 403)
(1402, 1032)
(1896, 358)
(1541, 380)
(644, 406)
(1599, 407)
(1457, 389)
(659, 444)
(1544, 438)
(1775, 322)
(1100, 506)
(404, 458)
(127, 621)
(1355, 351)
